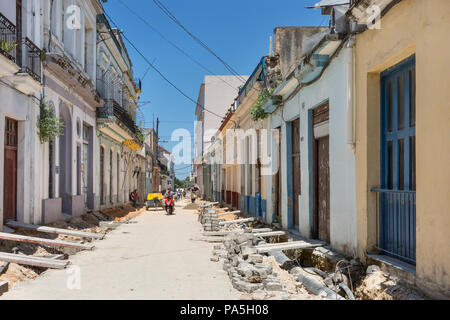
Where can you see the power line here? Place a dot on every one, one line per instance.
(174, 19)
(174, 45)
(157, 70)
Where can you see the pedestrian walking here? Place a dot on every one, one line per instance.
(134, 198)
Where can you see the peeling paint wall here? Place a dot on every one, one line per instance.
(288, 43)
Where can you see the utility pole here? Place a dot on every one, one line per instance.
(157, 128)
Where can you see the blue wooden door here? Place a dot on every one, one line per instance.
(398, 161)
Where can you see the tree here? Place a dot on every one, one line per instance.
(181, 184)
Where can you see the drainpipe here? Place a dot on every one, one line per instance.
(351, 97)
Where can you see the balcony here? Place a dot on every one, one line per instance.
(32, 61)
(20, 59)
(8, 66)
(117, 123)
(7, 36)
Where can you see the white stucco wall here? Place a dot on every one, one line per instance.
(331, 87)
(25, 110)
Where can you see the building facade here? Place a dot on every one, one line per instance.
(50, 60)
(20, 92)
(402, 122)
(214, 99)
(120, 141)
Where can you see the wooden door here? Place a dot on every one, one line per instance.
(110, 176)
(102, 175)
(85, 165)
(295, 168)
(398, 162)
(118, 178)
(10, 171)
(323, 189)
(277, 178)
(321, 172)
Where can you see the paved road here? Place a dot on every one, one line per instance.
(152, 258)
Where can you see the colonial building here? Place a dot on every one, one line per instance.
(215, 96)
(315, 186)
(69, 78)
(20, 91)
(119, 139)
(402, 130)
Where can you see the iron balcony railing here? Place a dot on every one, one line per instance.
(113, 109)
(14, 49)
(32, 61)
(110, 88)
(396, 223)
(7, 38)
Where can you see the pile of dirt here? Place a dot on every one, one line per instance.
(123, 213)
(229, 217)
(17, 273)
(377, 285)
(295, 289)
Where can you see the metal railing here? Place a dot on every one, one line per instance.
(110, 88)
(396, 223)
(113, 109)
(32, 64)
(7, 38)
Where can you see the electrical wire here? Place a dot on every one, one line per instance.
(174, 45)
(157, 70)
(196, 39)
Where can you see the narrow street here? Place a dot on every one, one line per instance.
(150, 258)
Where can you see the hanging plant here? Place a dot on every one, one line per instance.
(7, 47)
(43, 54)
(140, 136)
(257, 111)
(49, 125)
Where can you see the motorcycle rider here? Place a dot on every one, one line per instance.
(169, 194)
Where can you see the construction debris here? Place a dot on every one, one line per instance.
(223, 223)
(271, 234)
(33, 261)
(287, 246)
(377, 285)
(250, 261)
(81, 234)
(55, 243)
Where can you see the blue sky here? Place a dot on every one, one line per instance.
(238, 31)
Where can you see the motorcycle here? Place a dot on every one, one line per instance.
(169, 204)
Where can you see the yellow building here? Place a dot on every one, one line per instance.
(402, 136)
(241, 174)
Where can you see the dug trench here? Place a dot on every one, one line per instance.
(292, 274)
(13, 273)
